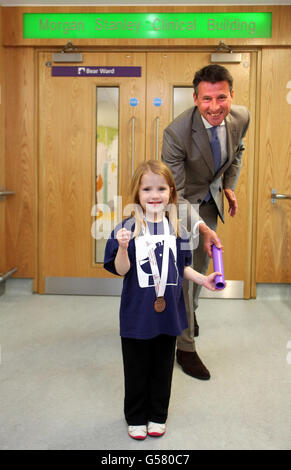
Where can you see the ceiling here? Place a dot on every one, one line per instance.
(7, 3)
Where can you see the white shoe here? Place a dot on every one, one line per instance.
(138, 432)
(156, 429)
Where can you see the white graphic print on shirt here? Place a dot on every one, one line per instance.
(144, 274)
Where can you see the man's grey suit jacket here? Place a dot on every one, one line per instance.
(186, 151)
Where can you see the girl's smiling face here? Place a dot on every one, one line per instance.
(154, 195)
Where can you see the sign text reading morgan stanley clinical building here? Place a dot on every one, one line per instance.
(147, 25)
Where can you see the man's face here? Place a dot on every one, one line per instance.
(213, 101)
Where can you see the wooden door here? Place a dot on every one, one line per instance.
(70, 179)
(2, 166)
(2, 199)
(274, 219)
(169, 73)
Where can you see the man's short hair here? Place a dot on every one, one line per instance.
(212, 73)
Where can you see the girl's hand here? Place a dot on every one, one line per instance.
(209, 281)
(123, 237)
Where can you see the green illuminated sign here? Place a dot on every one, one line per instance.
(147, 25)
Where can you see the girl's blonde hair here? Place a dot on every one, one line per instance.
(159, 168)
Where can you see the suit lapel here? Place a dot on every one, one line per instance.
(200, 136)
(231, 137)
(230, 130)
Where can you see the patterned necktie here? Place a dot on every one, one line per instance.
(216, 149)
(216, 153)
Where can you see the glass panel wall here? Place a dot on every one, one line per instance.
(182, 100)
(107, 120)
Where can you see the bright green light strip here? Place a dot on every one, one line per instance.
(147, 25)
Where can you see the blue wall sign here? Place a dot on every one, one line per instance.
(157, 102)
(133, 102)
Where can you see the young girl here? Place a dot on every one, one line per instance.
(151, 250)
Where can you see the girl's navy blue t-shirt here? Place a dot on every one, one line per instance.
(138, 318)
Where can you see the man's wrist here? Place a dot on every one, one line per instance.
(195, 231)
(203, 228)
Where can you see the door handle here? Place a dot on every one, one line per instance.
(4, 193)
(132, 143)
(275, 196)
(157, 137)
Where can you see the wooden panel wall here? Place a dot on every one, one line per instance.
(20, 125)
(2, 166)
(21, 160)
(274, 220)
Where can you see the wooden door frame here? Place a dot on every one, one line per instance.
(123, 170)
(255, 93)
(253, 141)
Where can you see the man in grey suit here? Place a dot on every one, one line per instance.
(203, 148)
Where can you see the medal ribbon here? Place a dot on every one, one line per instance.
(160, 281)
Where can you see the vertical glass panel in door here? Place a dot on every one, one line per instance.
(182, 99)
(107, 122)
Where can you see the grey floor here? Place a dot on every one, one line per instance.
(61, 379)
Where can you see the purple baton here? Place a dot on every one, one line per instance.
(218, 266)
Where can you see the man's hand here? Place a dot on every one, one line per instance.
(210, 238)
(232, 202)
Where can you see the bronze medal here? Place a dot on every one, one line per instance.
(160, 304)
